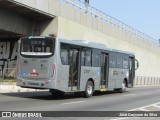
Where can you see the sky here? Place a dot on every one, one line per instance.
(143, 15)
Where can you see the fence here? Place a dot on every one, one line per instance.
(140, 80)
(82, 6)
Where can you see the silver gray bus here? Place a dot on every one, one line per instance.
(72, 66)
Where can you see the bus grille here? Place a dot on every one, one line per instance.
(37, 84)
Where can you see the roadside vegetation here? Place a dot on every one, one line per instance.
(8, 81)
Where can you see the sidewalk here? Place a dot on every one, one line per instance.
(6, 88)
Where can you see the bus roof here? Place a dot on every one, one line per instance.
(93, 45)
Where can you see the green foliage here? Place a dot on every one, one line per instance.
(7, 81)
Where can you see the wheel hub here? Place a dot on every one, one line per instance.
(89, 89)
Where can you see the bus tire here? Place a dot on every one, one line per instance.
(89, 89)
(123, 87)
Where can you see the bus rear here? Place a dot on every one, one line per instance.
(35, 63)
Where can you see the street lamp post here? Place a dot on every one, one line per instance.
(86, 4)
(87, 1)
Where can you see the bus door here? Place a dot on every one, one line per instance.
(131, 71)
(74, 69)
(104, 71)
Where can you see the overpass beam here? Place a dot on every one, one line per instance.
(16, 23)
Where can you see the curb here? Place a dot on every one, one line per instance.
(14, 88)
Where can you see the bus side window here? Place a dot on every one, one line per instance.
(86, 57)
(113, 60)
(82, 57)
(64, 54)
(119, 60)
(125, 62)
(96, 59)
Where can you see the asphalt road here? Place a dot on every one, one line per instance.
(135, 99)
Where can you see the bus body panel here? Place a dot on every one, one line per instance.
(120, 75)
(50, 73)
(42, 67)
(111, 79)
(33, 65)
(34, 71)
(62, 79)
(89, 73)
(116, 77)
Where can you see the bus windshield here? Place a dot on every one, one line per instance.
(41, 46)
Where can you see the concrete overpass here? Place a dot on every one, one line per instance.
(69, 19)
(19, 18)
(16, 20)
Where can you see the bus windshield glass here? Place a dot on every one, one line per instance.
(37, 46)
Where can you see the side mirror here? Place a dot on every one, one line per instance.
(136, 64)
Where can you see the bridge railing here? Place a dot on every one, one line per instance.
(88, 9)
(141, 80)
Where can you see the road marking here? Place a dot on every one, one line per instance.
(143, 108)
(157, 106)
(72, 102)
(119, 119)
(129, 94)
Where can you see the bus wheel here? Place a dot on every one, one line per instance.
(123, 89)
(89, 89)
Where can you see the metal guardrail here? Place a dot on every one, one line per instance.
(140, 80)
(88, 9)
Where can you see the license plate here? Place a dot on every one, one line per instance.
(34, 74)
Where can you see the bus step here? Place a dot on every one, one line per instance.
(103, 90)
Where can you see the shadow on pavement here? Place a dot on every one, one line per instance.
(45, 95)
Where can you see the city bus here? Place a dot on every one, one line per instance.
(79, 66)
